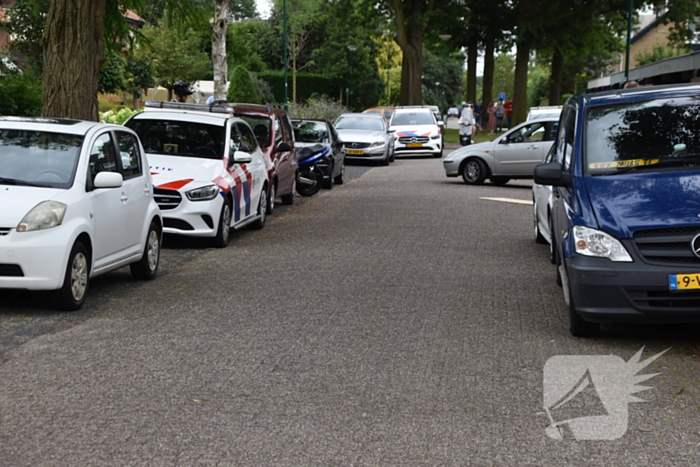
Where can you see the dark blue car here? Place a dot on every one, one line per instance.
(626, 206)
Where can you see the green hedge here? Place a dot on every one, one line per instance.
(308, 84)
(20, 95)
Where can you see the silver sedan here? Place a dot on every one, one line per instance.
(366, 137)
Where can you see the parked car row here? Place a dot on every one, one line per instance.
(85, 198)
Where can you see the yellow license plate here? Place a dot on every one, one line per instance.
(415, 145)
(355, 151)
(684, 281)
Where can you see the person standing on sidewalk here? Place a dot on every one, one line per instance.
(491, 111)
(508, 106)
(478, 111)
(500, 114)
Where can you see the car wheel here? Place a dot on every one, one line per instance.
(438, 154)
(392, 158)
(328, 182)
(288, 199)
(72, 293)
(538, 235)
(385, 161)
(474, 172)
(499, 180)
(271, 200)
(262, 212)
(224, 231)
(147, 267)
(340, 178)
(578, 326)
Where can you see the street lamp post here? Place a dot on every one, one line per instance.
(630, 9)
(352, 49)
(284, 35)
(445, 38)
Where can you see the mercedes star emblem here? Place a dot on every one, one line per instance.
(695, 245)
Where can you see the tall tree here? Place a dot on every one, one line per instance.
(302, 18)
(410, 19)
(218, 48)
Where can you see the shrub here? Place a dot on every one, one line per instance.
(107, 102)
(319, 107)
(263, 89)
(241, 87)
(117, 117)
(20, 95)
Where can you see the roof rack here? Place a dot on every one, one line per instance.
(216, 107)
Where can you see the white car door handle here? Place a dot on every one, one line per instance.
(124, 197)
(532, 147)
(147, 190)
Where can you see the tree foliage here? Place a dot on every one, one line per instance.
(177, 54)
(659, 52)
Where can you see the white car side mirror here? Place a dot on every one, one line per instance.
(108, 180)
(240, 157)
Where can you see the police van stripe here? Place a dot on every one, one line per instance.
(247, 185)
(236, 196)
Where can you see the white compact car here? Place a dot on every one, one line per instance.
(416, 131)
(209, 173)
(77, 202)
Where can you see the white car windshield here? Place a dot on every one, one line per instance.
(413, 118)
(38, 158)
(310, 132)
(178, 138)
(359, 123)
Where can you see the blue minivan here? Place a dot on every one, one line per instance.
(625, 173)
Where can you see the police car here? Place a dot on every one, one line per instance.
(416, 131)
(208, 171)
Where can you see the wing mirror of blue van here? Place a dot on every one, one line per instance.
(552, 174)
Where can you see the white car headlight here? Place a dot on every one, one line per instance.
(204, 193)
(435, 136)
(376, 144)
(44, 215)
(591, 242)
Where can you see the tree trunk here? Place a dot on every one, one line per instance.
(408, 18)
(556, 77)
(218, 48)
(522, 59)
(489, 65)
(72, 44)
(472, 55)
(411, 73)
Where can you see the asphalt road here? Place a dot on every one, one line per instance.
(396, 320)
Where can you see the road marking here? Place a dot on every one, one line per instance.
(510, 200)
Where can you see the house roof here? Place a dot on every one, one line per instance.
(648, 28)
